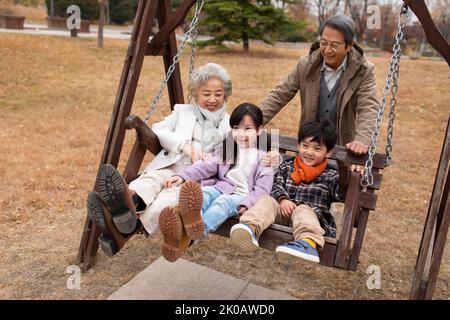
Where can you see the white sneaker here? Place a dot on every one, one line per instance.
(244, 237)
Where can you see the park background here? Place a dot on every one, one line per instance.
(56, 99)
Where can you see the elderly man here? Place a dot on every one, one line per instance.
(336, 82)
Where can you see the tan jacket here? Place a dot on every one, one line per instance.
(357, 97)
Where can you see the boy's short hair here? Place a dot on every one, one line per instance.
(322, 131)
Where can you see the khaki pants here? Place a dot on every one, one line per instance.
(149, 186)
(303, 220)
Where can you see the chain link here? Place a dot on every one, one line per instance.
(194, 46)
(392, 86)
(176, 59)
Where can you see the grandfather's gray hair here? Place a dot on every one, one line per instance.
(206, 72)
(343, 24)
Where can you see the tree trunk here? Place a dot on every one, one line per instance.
(101, 23)
(245, 42)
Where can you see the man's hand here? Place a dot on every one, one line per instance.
(287, 207)
(271, 159)
(357, 148)
(195, 155)
(174, 181)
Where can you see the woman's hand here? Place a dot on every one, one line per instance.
(174, 181)
(272, 159)
(195, 154)
(287, 207)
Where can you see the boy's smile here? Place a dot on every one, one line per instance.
(312, 152)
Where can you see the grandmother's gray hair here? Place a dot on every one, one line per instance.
(206, 72)
(343, 24)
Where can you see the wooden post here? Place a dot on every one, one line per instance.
(146, 13)
(101, 23)
(435, 230)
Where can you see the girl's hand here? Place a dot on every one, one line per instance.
(174, 181)
(195, 154)
(242, 209)
(272, 159)
(287, 207)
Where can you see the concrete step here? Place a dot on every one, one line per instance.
(184, 280)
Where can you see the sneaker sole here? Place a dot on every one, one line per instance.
(190, 205)
(286, 254)
(97, 216)
(112, 191)
(171, 228)
(243, 239)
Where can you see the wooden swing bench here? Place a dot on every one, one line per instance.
(342, 252)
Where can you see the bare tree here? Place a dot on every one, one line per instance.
(300, 10)
(357, 9)
(440, 13)
(326, 8)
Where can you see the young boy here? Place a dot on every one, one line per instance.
(303, 191)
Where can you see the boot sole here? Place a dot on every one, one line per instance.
(171, 228)
(97, 216)
(112, 191)
(243, 239)
(190, 205)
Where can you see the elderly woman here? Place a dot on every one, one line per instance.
(192, 132)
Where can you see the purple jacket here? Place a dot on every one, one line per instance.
(260, 180)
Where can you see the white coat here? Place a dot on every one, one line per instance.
(175, 129)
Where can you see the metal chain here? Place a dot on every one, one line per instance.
(176, 59)
(194, 46)
(393, 73)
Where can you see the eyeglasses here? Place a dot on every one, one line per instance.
(333, 45)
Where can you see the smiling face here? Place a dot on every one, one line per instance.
(333, 48)
(245, 134)
(211, 95)
(312, 152)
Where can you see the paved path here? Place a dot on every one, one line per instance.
(184, 280)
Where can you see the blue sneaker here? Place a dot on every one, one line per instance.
(300, 249)
(244, 237)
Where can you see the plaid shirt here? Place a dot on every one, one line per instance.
(318, 194)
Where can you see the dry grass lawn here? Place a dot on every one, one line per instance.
(56, 98)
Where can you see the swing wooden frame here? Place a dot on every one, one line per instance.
(342, 252)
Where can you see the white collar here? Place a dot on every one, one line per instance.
(343, 66)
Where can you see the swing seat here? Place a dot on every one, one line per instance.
(342, 252)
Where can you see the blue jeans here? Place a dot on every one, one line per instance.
(218, 207)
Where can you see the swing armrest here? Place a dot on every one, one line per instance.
(145, 135)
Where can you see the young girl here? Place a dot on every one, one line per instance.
(236, 180)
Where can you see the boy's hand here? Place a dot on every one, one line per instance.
(272, 159)
(287, 207)
(174, 181)
(242, 209)
(357, 168)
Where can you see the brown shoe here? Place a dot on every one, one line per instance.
(110, 240)
(118, 197)
(175, 239)
(190, 204)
